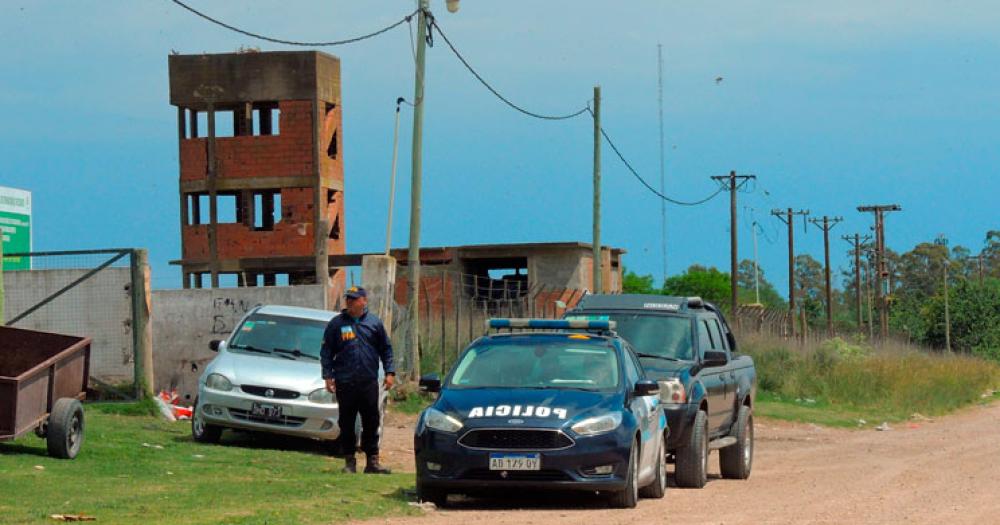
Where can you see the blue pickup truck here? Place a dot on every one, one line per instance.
(706, 387)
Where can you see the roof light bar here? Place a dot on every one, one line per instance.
(550, 324)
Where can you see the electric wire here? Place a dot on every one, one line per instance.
(649, 187)
(295, 42)
(433, 24)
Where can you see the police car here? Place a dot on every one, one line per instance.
(560, 404)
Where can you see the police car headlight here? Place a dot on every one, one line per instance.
(598, 425)
(321, 395)
(438, 420)
(218, 382)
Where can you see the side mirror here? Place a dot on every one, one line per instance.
(714, 358)
(430, 383)
(214, 345)
(647, 387)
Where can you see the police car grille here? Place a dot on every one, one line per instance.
(278, 393)
(482, 474)
(515, 439)
(283, 421)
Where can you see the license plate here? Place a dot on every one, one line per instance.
(515, 461)
(265, 411)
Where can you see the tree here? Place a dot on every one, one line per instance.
(975, 318)
(769, 296)
(708, 283)
(634, 283)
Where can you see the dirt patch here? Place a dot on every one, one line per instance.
(945, 470)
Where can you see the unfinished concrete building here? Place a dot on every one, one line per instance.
(261, 168)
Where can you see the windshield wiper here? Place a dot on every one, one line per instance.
(250, 348)
(296, 353)
(654, 356)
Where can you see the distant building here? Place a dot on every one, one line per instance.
(261, 195)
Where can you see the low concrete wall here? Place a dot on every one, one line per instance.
(185, 321)
(99, 308)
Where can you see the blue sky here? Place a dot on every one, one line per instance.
(831, 105)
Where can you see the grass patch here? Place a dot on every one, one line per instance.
(847, 382)
(248, 479)
(145, 407)
(412, 402)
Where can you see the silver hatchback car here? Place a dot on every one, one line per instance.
(267, 377)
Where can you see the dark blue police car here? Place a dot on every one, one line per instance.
(567, 408)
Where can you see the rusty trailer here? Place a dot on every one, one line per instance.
(43, 378)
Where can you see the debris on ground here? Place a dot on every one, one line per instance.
(862, 422)
(169, 403)
(920, 417)
(72, 517)
(883, 427)
(39, 467)
(158, 447)
(427, 505)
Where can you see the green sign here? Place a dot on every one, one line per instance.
(15, 224)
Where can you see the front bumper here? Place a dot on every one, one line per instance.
(466, 470)
(301, 417)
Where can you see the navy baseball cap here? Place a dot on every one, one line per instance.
(354, 292)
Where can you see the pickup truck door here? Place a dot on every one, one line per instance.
(728, 372)
(713, 379)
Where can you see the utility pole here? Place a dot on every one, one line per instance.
(826, 225)
(787, 217)
(856, 241)
(663, 188)
(756, 270)
(882, 272)
(416, 172)
(598, 270)
(733, 182)
(947, 315)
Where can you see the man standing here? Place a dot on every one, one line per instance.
(354, 343)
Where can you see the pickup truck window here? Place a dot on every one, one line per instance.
(705, 336)
(720, 342)
(666, 336)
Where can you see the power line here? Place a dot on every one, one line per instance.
(646, 184)
(295, 42)
(493, 90)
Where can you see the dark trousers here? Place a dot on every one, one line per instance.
(354, 399)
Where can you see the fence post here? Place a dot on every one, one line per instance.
(142, 329)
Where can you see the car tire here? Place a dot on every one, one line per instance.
(436, 496)
(736, 460)
(201, 431)
(64, 435)
(627, 499)
(691, 469)
(658, 487)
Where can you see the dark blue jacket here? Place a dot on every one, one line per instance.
(353, 348)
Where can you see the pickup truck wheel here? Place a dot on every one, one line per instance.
(692, 459)
(658, 487)
(436, 496)
(627, 499)
(735, 460)
(201, 431)
(65, 433)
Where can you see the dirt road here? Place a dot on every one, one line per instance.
(942, 471)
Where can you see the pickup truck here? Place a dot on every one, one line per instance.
(706, 388)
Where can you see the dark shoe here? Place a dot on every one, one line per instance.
(350, 465)
(372, 466)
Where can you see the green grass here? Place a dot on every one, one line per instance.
(848, 382)
(412, 402)
(248, 479)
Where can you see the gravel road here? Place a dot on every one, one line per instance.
(941, 471)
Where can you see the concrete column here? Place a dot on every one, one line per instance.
(378, 277)
(142, 328)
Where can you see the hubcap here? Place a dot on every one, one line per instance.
(635, 475)
(748, 447)
(662, 466)
(74, 433)
(198, 424)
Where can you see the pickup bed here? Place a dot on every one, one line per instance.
(707, 388)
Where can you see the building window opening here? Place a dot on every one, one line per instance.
(331, 149)
(226, 208)
(496, 283)
(265, 118)
(335, 229)
(267, 209)
(225, 124)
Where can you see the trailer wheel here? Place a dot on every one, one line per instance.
(65, 428)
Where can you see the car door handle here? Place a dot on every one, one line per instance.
(732, 375)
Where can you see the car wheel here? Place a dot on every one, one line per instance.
(436, 496)
(735, 460)
(692, 459)
(627, 499)
(201, 431)
(658, 487)
(64, 435)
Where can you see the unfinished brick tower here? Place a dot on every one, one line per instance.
(261, 171)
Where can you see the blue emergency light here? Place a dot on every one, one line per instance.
(551, 324)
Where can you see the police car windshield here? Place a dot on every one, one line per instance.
(560, 362)
(284, 335)
(667, 336)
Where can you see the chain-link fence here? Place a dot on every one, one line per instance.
(455, 306)
(85, 293)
